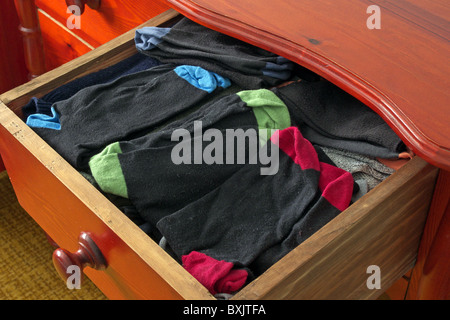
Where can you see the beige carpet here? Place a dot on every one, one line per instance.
(26, 268)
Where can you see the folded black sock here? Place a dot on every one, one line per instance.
(130, 106)
(253, 220)
(133, 64)
(190, 43)
(329, 116)
(161, 174)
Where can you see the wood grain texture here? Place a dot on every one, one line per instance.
(400, 71)
(32, 38)
(60, 44)
(13, 71)
(435, 281)
(383, 228)
(113, 18)
(399, 289)
(430, 276)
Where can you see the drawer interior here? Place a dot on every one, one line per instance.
(382, 228)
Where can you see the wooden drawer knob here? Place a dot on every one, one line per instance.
(88, 255)
(93, 4)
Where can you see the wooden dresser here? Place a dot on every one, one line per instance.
(401, 226)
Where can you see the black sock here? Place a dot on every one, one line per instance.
(329, 116)
(133, 64)
(125, 108)
(144, 169)
(253, 220)
(190, 43)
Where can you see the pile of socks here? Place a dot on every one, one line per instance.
(228, 212)
(253, 220)
(190, 43)
(129, 106)
(330, 117)
(130, 169)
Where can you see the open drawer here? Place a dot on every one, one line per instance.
(382, 229)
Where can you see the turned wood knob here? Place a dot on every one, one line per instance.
(88, 255)
(93, 4)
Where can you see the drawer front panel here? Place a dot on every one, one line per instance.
(113, 18)
(60, 45)
(61, 213)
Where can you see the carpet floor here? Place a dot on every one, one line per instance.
(26, 267)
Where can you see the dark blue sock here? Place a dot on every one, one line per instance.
(133, 64)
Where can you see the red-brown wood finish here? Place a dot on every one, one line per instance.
(49, 43)
(32, 39)
(113, 17)
(2, 165)
(400, 70)
(13, 71)
(93, 4)
(435, 282)
(60, 46)
(66, 217)
(430, 277)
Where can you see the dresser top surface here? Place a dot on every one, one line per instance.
(394, 56)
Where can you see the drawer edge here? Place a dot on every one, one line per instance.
(113, 226)
(323, 267)
(113, 51)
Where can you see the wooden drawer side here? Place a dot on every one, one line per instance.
(64, 204)
(383, 229)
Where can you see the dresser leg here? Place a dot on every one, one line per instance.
(32, 38)
(2, 166)
(430, 279)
